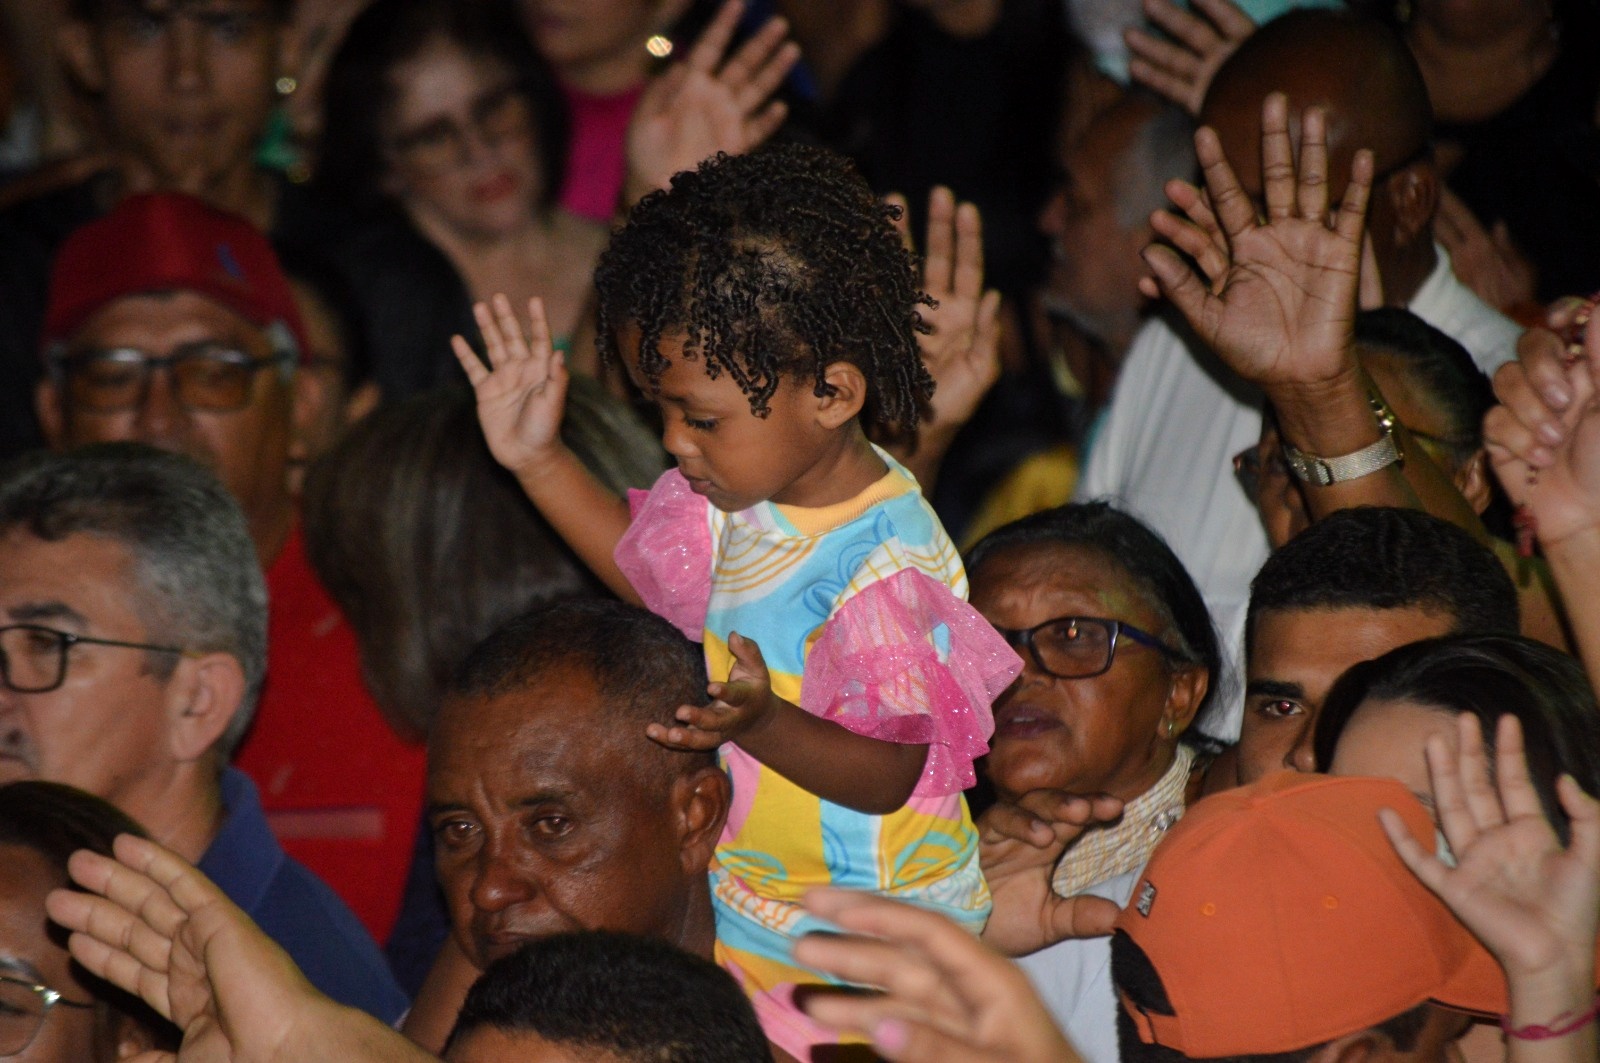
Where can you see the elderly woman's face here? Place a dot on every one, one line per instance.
(28, 957)
(1102, 734)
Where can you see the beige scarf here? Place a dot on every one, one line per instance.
(1107, 852)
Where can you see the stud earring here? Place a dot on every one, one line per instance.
(1168, 728)
(286, 85)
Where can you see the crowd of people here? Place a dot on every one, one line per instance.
(744, 530)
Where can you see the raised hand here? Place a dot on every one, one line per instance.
(945, 995)
(1544, 437)
(1534, 904)
(1276, 299)
(522, 394)
(1181, 69)
(962, 352)
(703, 105)
(1019, 847)
(744, 702)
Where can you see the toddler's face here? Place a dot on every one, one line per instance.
(729, 455)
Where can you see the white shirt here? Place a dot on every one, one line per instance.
(1178, 416)
(1073, 978)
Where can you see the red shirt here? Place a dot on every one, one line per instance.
(341, 791)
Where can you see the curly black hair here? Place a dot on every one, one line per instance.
(776, 263)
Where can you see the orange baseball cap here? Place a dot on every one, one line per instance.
(1279, 917)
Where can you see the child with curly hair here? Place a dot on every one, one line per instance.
(767, 305)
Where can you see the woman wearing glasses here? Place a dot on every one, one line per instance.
(1119, 661)
(51, 1010)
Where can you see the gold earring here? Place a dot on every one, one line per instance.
(286, 85)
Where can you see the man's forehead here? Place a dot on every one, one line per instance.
(164, 317)
(74, 580)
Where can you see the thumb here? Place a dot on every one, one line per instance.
(746, 651)
(1083, 916)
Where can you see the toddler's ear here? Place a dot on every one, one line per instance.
(849, 395)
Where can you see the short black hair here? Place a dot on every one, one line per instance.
(1160, 578)
(643, 667)
(1376, 557)
(773, 264)
(1488, 676)
(1441, 369)
(1133, 974)
(634, 997)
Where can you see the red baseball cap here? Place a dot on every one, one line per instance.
(1279, 917)
(169, 241)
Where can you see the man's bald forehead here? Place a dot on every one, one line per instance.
(1356, 68)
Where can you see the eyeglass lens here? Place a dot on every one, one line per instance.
(1072, 647)
(32, 659)
(204, 377)
(494, 116)
(22, 1013)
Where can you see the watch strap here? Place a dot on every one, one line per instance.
(1325, 472)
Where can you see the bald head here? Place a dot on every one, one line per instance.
(1363, 76)
(1357, 69)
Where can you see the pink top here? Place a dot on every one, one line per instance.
(597, 155)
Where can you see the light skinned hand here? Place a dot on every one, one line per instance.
(962, 348)
(1549, 420)
(523, 392)
(710, 101)
(1019, 847)
(1181, 68)
(1276, 299)
(155, 926)
(945, 995)
(741, 704)
(1534, 904)
(1485, 260)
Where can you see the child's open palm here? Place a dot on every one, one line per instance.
(741, 704)
(522, 393)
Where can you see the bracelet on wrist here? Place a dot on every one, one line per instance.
(1560, 1026)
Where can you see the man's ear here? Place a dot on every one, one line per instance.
(1367, 1046)
(81, 55)
(1189, 685)
(207, 692)
(700, 802)
(1472, 480)
(362, 401)
(52, 416)
(1413, 195)
(849, 386)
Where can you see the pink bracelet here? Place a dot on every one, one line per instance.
(1536, 1032)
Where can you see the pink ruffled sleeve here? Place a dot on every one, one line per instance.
(666, 552)
(905, 660)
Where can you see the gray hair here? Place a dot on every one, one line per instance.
(200, 581)
(1162, 150)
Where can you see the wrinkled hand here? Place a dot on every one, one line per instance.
(522, 394)
(156, 927)
(1181, 69)
(1486, 260)
(1019, 847)
(1533, 904)
(1549, 420)
(1276, 299)
(703, 105)
(962, 352)
(744, 702)
(945, 995)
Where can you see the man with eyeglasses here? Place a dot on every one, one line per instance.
(170, 323)
(133, 631)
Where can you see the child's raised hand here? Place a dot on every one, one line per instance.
(1533, 903)
(744, 702)
(523, 392)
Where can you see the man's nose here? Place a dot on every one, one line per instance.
(1302, 755)
(188, 55)
(500, 881)
(159, 407)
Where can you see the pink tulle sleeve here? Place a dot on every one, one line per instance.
(666, 552)
(905, 660)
